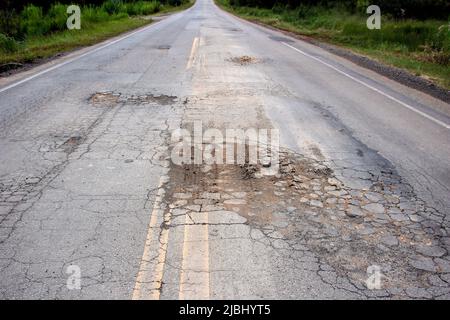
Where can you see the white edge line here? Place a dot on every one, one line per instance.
(423, 114)
(15, 84)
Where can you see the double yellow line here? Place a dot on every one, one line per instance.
(194, 276)
(151, 270)
(192, 56)
(194, 279)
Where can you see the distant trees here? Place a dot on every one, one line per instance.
(420, 9)
(18, 5)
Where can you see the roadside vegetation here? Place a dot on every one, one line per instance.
(414, 35)
(32, 30)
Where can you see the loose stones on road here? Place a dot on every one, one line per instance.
(307, 207)
(374, 207)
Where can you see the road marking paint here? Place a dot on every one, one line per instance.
(151, 270)
(194, 276)
(15, 84)
(423, 114)
(191, 59)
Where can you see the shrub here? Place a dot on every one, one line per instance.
(33, 22)
(361, 5)
(174, 2)
(8, 44)
(93, 14)
(133, 8)
(57, 17)
(113, 7)
(421, 9)
(10, 23)
(142, 7)
(151, 7)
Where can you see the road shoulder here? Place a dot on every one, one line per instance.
(21, 71)
(397, 74)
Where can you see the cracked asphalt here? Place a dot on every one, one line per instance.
(86, 177)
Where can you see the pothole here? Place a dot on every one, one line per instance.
(111, 98)
(148, 99)
(104, 98)
(244, 60)
(306, 205)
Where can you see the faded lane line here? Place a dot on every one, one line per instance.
(151, 270)
(192, 55)
(423, 114)
(78, 57)
(194, 276)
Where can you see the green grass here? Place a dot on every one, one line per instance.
(96, 25)
(47, 46)
(421, 47)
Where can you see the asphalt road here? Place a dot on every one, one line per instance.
(86, 178)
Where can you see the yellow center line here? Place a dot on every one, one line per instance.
(194, 276)
(151, 269)
(191, 59)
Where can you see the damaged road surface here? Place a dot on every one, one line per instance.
(93, 205)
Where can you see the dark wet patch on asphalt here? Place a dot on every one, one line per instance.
(72, 143)
(280, 39)
(164, 47)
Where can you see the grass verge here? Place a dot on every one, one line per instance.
(35, 48)
(420, 47)
(42, 47)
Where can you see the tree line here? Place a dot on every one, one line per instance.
(18, 5)
(418, 9)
